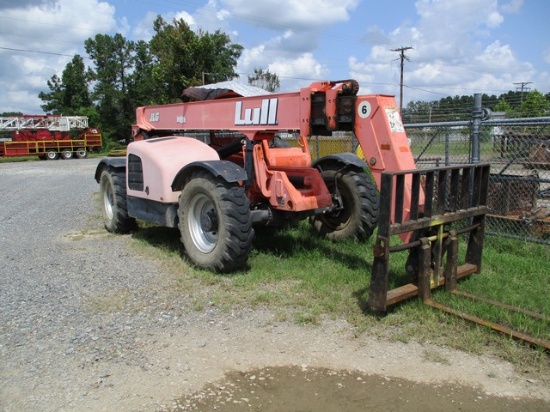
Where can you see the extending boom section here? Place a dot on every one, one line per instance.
(320, 109)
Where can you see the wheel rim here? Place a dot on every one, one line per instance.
(67, 154)
(339, 218)
(108, 200)
(51, 155)
(203, 223)
(81, 152)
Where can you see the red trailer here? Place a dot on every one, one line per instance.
(48, 137)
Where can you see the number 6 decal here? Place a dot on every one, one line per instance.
(363, 110)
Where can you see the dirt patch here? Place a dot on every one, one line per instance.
(250, 362)
(318, 390)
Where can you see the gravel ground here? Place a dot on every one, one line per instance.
(86, 323)
(64, 281)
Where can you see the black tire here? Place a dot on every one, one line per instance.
(215, 223)
(66, 154)
(112, 189)
(359, 215)
(81, 153)
(52, 155)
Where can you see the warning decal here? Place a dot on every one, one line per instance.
(396, 125)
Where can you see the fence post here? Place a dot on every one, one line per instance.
(447, 147)
(477, 115)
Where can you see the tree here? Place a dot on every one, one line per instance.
(68, 94)
(114, 62)
(143, 89)
(535, 105)
(503, 106)
(53, 99)
(265, 80)
(183, 58)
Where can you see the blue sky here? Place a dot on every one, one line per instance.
(458, 46)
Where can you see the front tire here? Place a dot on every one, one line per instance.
(112, 189)
(359, 215)
(215, 223)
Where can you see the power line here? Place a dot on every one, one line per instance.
(36, 51)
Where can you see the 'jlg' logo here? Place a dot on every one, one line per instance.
(266, 114)
(154, 117)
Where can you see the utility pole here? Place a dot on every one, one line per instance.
(402, 57)
(520, 86)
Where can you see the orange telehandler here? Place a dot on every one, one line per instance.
(217, 169)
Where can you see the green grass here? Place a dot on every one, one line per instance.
(515, 273)
(304, 278)
(18, 159)
(459, 149)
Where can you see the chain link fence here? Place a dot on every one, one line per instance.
(518, 151)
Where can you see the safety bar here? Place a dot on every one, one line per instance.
(438, 197)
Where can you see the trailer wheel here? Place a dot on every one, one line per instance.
(359, 215)
(66, 154)
(215, 223)
(112, 189)
(52, 155)
(81, 153)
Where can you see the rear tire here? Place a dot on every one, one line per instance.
(359, 215)
(112, 189)
(215, 223)
(81, 153)
(66, 154)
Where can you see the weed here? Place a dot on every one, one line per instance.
(435, 357)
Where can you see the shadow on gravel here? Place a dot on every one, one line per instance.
(276, 389)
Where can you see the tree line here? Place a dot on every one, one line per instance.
(513, 103)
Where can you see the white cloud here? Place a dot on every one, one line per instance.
(297, 26)
(211, 17)
(496, 54)
(305, 66)
(144, 29)
(512, 7)
(207, 18)
(186, 17)
(494, 19)
(291, 68)
(280, 14)
(65, 24)
(449, 51)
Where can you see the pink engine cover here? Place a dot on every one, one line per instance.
(162, 158)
